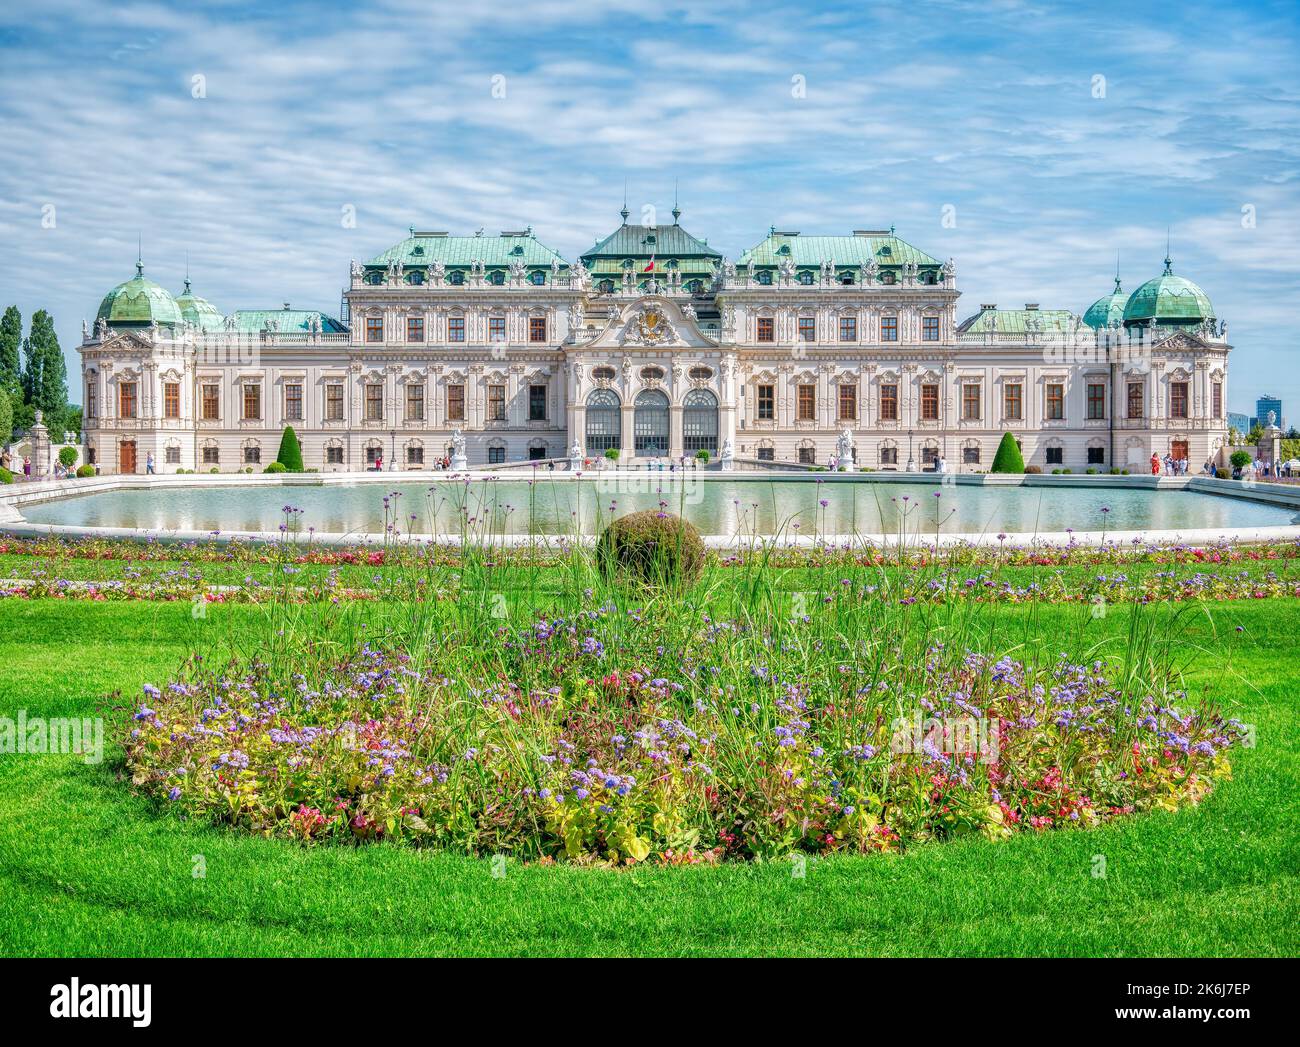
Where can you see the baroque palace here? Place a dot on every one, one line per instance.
(653, 344)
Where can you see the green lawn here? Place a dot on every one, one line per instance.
(90, 869)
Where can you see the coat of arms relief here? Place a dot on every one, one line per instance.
(649, 326)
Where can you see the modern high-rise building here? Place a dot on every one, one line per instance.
(1269, 403)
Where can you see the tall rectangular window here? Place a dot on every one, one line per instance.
(496, 403)
(807, 328)
(848, 403)
(1216, 399)
(1177, 399)
(415, 328)
(92, 399)
(455, 403)
(766, 329)
(334, 402)
(455, 328)
(970, 401)
(374, 328)
(171, 399)
(889, 402)
(807, 403)
(126, 400)
(496, 328)
(929, 403)
(334, 456)
(889, 329)
(1096, 400)
(929, 328)
(374, 402)
(1135, 398)
(1055, 401)
(293, 402)
(415, 402)
(848, 328)
(537, 328)
(211, 403)
(537, 403)
(496, 455)
(766, 403)
(1012, 401)
(252, 402)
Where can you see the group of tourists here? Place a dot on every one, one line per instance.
(1173, 466)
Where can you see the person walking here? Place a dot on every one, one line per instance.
(27, 468)
(1155, 464)
(148, 464)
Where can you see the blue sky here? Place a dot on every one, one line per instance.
(990, 109)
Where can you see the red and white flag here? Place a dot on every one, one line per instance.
(651, 267)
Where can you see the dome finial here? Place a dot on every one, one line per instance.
(625, 212)
(677, 211)
(139, 255)
(1169, 265)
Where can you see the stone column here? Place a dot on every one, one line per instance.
(40, 437)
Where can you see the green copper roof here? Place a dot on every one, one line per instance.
(885, 249)
(420, 249)
(1106, 309)
(138, 303)
(286, 320)
(642, 241)
(1168, 298)
(198, 311)
(1019, 321)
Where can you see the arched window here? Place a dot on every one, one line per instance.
(805, 277)
(415, 277)
(538, 277)
(456, 278)
(700, 422)
(650, 424)
(604, 422)
(374, 278)
(496, 277)
(606, 286)
(765, 277)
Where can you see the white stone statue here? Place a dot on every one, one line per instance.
(517, 270)
(578, 275)
(356, 270)
(458, 460)
(575, 457)
(85, 330)
(727, 460)
(844, 449)
(436, 272)
(101, 329)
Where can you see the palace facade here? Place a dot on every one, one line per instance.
(652, 343)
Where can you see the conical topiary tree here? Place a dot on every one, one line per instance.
(290, 455)
(1008, 459)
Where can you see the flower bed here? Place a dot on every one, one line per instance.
(712, 744)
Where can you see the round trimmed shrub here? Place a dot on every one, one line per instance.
(68, 456)
(276, 467)
(651, 547)
(1033, 469)
(85, 470)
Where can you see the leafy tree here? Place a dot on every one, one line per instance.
(1008, 458)
(6, 417)
(290, 455)
(45, 377)
(11, 337)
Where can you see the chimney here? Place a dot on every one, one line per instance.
(988, 308)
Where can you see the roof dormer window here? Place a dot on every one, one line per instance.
(805, 277)
(538, 278)
(496, 277)
(765, 277)
(456, 278)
